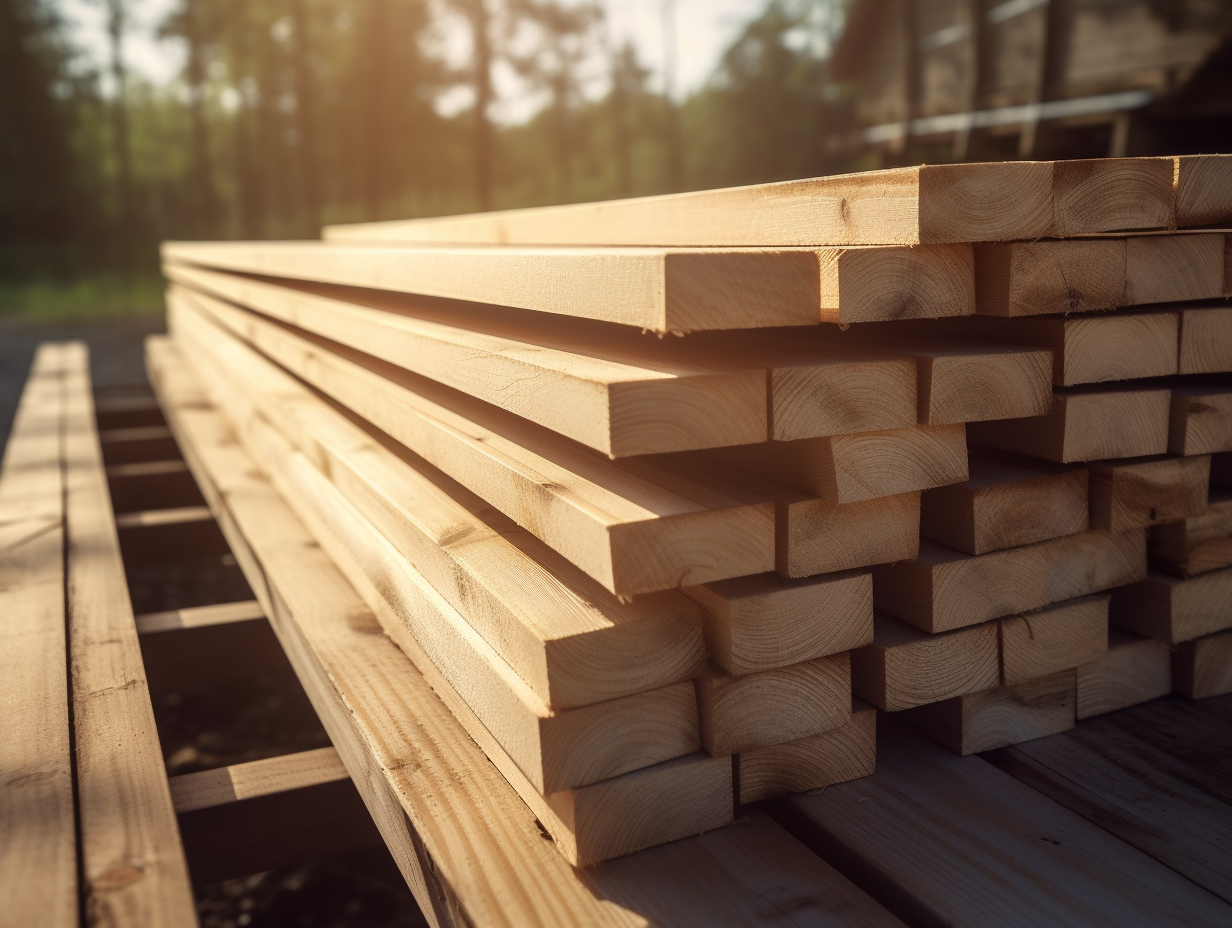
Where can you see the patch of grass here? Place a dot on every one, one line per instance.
(104, 295)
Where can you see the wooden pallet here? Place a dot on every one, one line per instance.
(1124, 821)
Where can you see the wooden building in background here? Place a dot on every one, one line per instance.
(967, 80)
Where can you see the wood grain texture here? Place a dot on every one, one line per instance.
(772, 706)
(651, 288)
(1201, 419)
(905, 667)
(132, 863)
(1206, 339)
(826, 759)
(1008, 500)
(766, 621)
(1012, 714)
(1137, 493)
(1175, 610)
(1087, 424)
(1202, 668)
(931, 832)
(222, 785)
(615, 391)
(853, 468)
(1196, 545)
(886, 283)
(946, 589)
(1173, 268)
(630, 525)
(38, 847)
(199, 617)
(1050, 640)
(1112, 194)
(1133, 670)
(1203, 190)
(1035, 278)
(572, 641)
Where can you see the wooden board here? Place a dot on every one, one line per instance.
(766, 621)
(1196, 545)
(1175, 610)
(1206, 339)
(38, 854)
(1087, 424)
(928, 203)
(651, 288)
(1008, 500)
(1137, 493)
(1173, 268)
(1050, 640)
(1203, 190)
(905, 667)
(132, 866)
(887, 283)
(1202, 668)
(1011, 714)
(838, 756)
(1133, 670)
(852, 468)
(630, 525)
(1201, 421)
(946, 589)
(757, 710)
(572, 641)
(932, 833)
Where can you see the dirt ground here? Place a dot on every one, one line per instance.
(213, 725)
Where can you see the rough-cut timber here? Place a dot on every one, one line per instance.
(1173, 268)
(946, 589)
(1008, 500)
(651, 288)
(908, 206)
(1206, 339)
(633, 527)
(1203, 190)
(1199, 544)
(765, 621)
(1133, 670)
(905, 667)
(1175, 610)
(853, 468)
(1201, 420)
(1133, 494)
(1050, 640)
(848, 752)
(772, 706)
(1087, 424)
(1003, 716)
(1202, 668)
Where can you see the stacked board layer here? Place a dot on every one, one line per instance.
(669, 498)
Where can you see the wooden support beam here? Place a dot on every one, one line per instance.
(663, 290)
(1050, 640)
(1206, 339)
(768, 707)
(1196, 545)
(977, 722)
(1175, 610)
(151, 485)
(1137, 493)
(1173, 268)
(132, 861)
(1202, 668)
(1087, 424)
(199, 617)
(1133, 670)
(1201, 420)
(38, 850)
(137, 445)
(221, 786)
(1203, 190)
(946, 589)
(905, 667)
(765, 621)
(1008, 500)
(597, 513)
(826, 759)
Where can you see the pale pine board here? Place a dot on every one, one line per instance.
(1137, 493)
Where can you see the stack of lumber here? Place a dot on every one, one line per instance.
(667, 497)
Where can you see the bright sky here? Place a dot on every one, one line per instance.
(703, 30)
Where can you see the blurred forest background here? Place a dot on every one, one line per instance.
(290, 114)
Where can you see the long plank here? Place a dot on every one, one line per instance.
(948, 840)
(1137, 493)
(651, 288)
(1062, 637)
(1201, 419)
(1175, 610)
(571, 640)
(946, 589)
(931, 203)
(630, 525)
(1203, 190)
(1206, 339)
(132, 863)
(1134, 669)
(1202, 668)
(38, 850)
